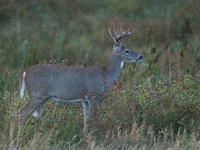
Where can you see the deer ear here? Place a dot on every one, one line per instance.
(117, 49)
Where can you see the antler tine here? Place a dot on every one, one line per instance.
(125, 33)
(117, 37)
(115, 31)
(111, 35)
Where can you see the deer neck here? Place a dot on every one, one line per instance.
(113, 68)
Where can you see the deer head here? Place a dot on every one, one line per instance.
(119, 49)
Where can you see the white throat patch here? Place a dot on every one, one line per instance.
(122, 63)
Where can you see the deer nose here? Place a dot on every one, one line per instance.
(140, 57)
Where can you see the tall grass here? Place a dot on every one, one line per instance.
(153, 105)
(134, 114)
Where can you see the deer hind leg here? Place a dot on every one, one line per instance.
(23, 112)
(38, 112)
(86, 112)
(32, 104)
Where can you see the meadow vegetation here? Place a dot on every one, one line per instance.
(155, 104)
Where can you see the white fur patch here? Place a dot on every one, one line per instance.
(67, 101)
(23, 85)
(35, 114)
(88, 101)
(122, 63)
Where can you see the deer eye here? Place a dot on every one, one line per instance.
(127, 51)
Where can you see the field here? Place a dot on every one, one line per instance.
(155, 104)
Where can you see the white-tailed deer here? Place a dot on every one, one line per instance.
(72, 84)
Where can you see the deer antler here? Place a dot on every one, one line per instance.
(117, 36)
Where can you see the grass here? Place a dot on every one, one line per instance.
(134, 115)
(154, 105)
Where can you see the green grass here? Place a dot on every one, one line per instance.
(134, 114)
(155, 103)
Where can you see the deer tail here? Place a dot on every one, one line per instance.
(22, 84)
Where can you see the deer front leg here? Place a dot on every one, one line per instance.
(86, 113)
(95, 116)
